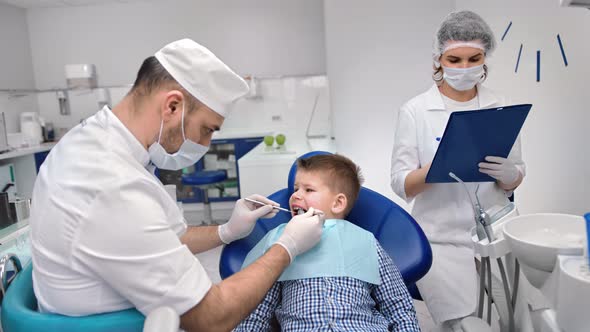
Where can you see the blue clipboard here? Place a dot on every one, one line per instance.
(470, 136)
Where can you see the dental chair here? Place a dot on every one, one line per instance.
(397, 232)
(20, 314)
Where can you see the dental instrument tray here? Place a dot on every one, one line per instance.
(470, 136)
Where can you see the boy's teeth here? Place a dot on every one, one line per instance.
(299, 211)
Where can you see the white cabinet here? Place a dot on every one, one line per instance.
(14, 238)
(264, 171)
(25, 163)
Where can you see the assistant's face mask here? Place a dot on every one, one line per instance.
(463, 79)
(188, 154)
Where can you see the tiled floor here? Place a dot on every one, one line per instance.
(210, 260)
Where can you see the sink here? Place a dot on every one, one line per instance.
(537, 239)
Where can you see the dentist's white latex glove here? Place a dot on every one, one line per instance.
(243, 218)
(501, 169)
(302, 233)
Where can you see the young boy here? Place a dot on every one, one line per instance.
(347, 282)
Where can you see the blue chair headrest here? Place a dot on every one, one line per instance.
(399, 234)
(393, 227)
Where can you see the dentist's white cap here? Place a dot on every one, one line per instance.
(202, 74)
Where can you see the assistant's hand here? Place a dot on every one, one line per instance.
(501, 169)
(244, 217)
(302, 233)
(415, 182)
(425, 169)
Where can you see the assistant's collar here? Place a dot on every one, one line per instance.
(486, 98)
(131, 143)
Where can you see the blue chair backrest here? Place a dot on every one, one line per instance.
(19, 313)
(398, 233)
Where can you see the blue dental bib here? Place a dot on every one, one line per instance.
(345, 250)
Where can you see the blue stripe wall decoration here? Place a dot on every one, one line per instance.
(538, 54)
(539, 66)
(518, 59)
(506, 31)
(562, 51)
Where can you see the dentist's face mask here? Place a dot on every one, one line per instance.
(188, 154)
(463, 79)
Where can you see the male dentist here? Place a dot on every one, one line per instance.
(105, 234)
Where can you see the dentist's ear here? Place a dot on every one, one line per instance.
(339, 204)
(172, 100)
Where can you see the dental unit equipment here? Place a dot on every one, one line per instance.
(494, 248)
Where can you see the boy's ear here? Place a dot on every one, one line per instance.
(339, 204)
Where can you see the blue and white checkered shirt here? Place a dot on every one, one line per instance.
(338, 304)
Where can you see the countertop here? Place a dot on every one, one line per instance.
(264, 171)
(26, 151)
(239, 133)
(261, 154)
(11, 232)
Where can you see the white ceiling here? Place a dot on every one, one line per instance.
(61, 3)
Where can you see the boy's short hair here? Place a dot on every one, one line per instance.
(344, 176)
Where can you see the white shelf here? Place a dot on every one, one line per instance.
(27, 151)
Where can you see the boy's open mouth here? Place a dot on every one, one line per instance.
(298, 210)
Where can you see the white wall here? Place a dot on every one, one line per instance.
(261, 37)
(556, 140)
(16, 61)
(15, 65)
(378, 57)
(287, 98)
(264, 38)
(290, 102)
(83, 103)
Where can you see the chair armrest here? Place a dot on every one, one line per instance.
(4, 282)
(163, 319)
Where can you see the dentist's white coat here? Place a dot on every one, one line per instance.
(443, 211)
(104, 231)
